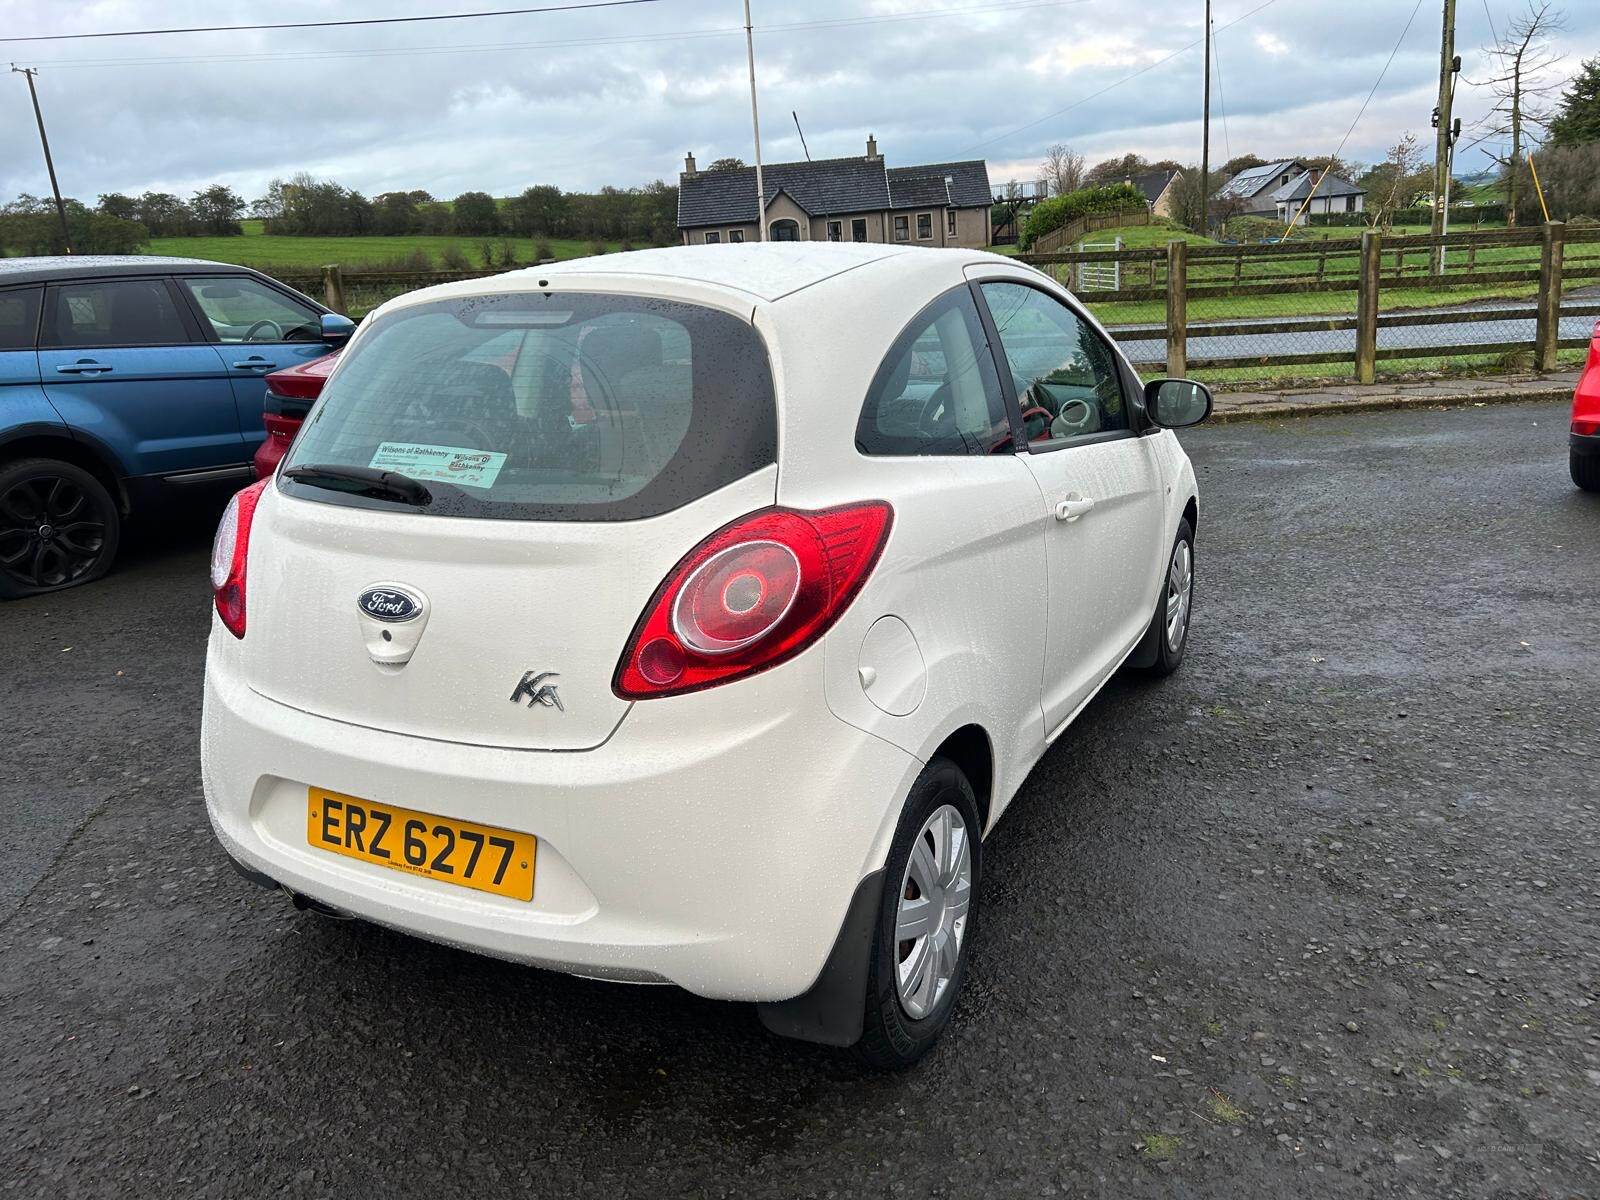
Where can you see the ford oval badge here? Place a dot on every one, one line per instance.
(390, 604)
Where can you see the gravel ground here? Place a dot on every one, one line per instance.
(1316, 915)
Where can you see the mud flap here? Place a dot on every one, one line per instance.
(1149, 647)
(832, 1011)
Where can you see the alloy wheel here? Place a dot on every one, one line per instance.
(1180, 586)
(51, 531)
(931, 920)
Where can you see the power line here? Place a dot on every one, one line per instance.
(503, 12)
(1114, 84)
(598, 40)
(1222, 100)
(1359, 112)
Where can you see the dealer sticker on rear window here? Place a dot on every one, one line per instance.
(445, 464)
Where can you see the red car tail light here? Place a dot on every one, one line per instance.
(1586, 428)
(229, 553)
(752, 595)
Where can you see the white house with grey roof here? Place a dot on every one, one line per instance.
(1277, 190)
(839, 200)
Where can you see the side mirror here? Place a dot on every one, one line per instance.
(336, 330)
(1175, 403)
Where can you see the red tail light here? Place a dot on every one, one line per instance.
(1586, 428)
(229, 554)
(752, 595)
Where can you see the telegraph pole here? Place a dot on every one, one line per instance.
(55, 188)
(1205, 138)
(1449, 64)
(755, 124)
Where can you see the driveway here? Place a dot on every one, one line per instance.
(1316, 916)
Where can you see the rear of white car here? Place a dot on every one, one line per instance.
(584, 626)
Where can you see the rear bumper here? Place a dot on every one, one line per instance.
(1584, 445)
(715, 842)
(267, 456)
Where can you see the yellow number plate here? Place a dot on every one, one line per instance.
(459, 852)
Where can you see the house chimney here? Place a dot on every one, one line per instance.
(688, 163)
(872, 147)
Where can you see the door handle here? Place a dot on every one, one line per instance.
(84, 366)
(1073, 507)
(254, 363)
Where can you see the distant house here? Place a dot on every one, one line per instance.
(1160, 189)
(1279, 189)
(839, 200)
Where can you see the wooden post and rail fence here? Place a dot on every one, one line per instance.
(1526, 267)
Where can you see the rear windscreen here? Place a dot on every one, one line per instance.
(547, 406)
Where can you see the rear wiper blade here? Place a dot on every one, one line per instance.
(362, 481)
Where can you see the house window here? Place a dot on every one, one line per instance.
(712, 237)
(1349, 204)
(836, 231)
(902, 229)
(785, 231)
(736, 235)
(924, 226)
(858, 229)
(950, 222)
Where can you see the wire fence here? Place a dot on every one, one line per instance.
(1350, 307)
(1312, 308)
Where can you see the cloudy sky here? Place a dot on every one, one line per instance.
(616, 95)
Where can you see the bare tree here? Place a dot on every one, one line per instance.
(1394, 182)
(1063, 169)
(1520, 60)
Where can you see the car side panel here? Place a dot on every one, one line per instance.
(162, 409)
(24, 408)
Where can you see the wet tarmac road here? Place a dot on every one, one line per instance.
(1315, 916)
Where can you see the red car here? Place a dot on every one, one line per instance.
(1585, 436)
(290, 394)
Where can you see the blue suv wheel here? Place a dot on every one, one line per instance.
(58, 527)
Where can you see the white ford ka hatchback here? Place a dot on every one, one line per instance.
(691, 615)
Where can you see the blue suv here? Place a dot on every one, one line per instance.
(124, 381)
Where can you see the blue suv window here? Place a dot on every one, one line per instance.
(114, 312)
(19, 318)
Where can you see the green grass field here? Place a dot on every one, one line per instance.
(260, 250)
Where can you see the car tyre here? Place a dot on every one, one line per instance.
(1169, 628)
(1585, 470)
(935, 859)
(59, 527)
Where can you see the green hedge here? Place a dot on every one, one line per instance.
(1052, 214)
(1416, 216)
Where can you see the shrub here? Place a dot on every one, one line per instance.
(597, 247)
(508, 254)
(542, 251)
(452, 258)
(1050, 215)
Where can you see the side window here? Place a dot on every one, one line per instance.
(19, 318)
(242, 310)
(1066, 377)
(937, 391)
(114, 312)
